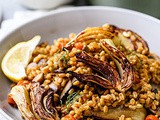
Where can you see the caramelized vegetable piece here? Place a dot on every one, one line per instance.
(36, 94)
(11, 101)
(129, 39)
(115, 113)
(90, 34)
(102, 67)
(120, 82)
(151, 117)
(92, 78)
(123, 65)
(69, 117)
(48, 104)
(121, 37)
(21, 96)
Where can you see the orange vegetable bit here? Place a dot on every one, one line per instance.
(62, 43)
(23, 82)
(11, 101)
(151, 117)
(79, 45)
(69, 117)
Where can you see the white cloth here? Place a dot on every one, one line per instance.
(19, 18)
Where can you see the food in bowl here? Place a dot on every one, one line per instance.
(101, 73)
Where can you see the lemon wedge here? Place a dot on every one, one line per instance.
(16, 59)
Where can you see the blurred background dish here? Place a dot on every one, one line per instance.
(43, 4)
(150, 7)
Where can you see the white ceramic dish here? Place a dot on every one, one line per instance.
(43, 4)
(62, 22)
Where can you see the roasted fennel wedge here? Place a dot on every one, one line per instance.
(21, 97)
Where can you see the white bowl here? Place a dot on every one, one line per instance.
(62, 22)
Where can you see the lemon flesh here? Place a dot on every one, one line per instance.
(16, 59)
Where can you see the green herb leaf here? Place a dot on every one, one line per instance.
(71, 99)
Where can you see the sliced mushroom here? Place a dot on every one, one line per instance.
(53, 86)
(115, 113)
(21, 96)
(123, 65)
(39, 78)
(36, 94)
(66, 89)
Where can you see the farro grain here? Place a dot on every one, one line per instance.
(76, 83)
(127, 34)
(63, 83)
(114, 104)
(133, 37)
(132, 101)
(72, 112)
(139, 106)
(38, 58)
(132, 107)
(102, 102)
(122, 117)
(128, 118)
(148, 101)
(105, 109)
(121, 96)
(71, 91)
(135, 95)
(153, 107)
(45, 70)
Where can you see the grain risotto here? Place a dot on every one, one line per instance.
(99, 74)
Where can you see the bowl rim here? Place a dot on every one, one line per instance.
(70, 9)
(82, 8)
